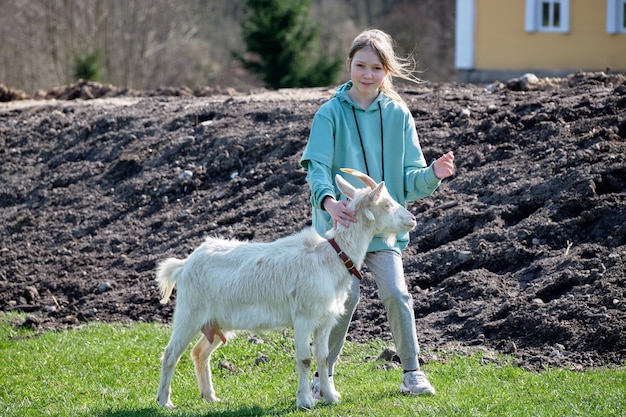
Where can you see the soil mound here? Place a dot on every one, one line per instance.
(522, 251)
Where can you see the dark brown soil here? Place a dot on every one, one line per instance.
(523, 251)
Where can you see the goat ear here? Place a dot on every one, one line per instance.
(369, 214)
(377, 193)
(345, 187)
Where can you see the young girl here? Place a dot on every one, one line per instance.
(366, 126)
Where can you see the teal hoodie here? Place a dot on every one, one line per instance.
(334, 143)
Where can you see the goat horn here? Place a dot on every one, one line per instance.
(363, 177)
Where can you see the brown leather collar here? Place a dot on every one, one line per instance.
(346, 260)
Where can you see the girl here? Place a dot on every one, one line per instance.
(366, 126)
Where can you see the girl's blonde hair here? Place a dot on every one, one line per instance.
(396, 66)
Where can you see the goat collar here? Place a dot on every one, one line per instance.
(346, 259)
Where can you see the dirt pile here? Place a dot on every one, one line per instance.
(522, 251)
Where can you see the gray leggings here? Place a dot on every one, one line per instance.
(388, 273)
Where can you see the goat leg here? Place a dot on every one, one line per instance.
(201, 356)
(181, 336)
(320, 349)
(302, 334)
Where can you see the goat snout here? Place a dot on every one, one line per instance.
(409, 221)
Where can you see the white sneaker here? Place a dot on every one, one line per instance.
(315, 387)
(416, 383)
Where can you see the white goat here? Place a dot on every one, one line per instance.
(297, 281)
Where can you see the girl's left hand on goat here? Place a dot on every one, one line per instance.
(339, 212)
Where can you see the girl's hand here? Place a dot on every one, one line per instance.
(444, 166)
(339, 212)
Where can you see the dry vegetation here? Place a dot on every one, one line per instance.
(147, 44)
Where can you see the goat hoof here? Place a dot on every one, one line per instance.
(212, 398)
(308, 402)
(165, 402)
(331, 399)
(169, 405)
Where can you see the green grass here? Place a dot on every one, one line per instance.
(113, 371)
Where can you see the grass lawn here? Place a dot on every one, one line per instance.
(113, 371)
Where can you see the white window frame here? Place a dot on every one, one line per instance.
(534, 11)
(465, 34)
(615, 16)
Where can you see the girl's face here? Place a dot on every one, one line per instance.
(366, 72)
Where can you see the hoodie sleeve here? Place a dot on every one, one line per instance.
(419, 178)
(320, 182)
(317, 159)
(321, 141)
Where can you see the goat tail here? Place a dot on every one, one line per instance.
(166, 277)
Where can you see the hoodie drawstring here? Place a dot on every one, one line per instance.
(382, 141)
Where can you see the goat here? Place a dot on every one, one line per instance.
(296, 281)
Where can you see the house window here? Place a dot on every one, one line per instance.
(548, 15)
(616, 16)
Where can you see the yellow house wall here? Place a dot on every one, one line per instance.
(503, 44)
